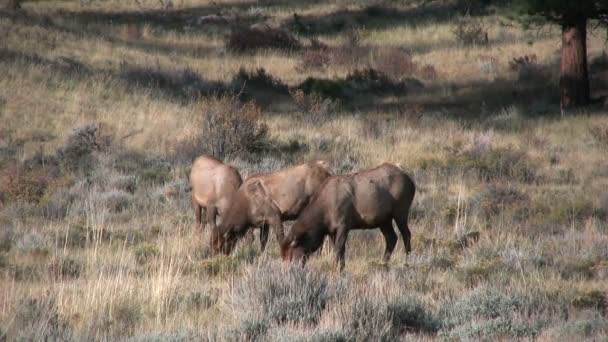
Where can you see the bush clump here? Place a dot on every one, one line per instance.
(229, 128)
(366, 81)
(259, 80)
(78, 150)
(150, 169)
(39, 318)
(258, 85)
(314, 109)
(146, 252)
(65, 268)
(470, 32)
(22, 185)
(487, 312)
(282, 294)
(248, 39)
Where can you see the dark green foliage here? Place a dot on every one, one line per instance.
(78, 152)
(182, 84)
(408, 313)
(259, 80)
(258, 85)
(359, 82)
(563, 10)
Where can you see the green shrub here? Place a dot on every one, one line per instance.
(358, 82)
(327, 335)
(78, 152)
(282, 294)
(65, 268)
(409, 314)
(258, 80)
(34, 243)
(147, 168)
(369, 320)
(220, 264)
(486, 312)
(127, 315)
(595, 299)
(590, 325)
(39, 319)
(249, 329)
(570, 269)
(146, 252)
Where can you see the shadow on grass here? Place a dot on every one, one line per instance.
(370, 17)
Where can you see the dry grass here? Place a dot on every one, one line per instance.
(97, 238)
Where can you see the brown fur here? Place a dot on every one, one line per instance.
(365, 200)
(213, 186)
(267, 200)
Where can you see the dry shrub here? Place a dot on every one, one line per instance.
(78, 150)
(518, 62)
(256, 83)
(395, 62)
(247, 39)
(65, 268)
(528, 69)
(317, 45)
(600, 133)
(132, 32)
(229, 128)
(316, 56)
(314, 108)
(350, 56)
(470, 32)
(313, 59)
(428, 72)
(39, 319)
(21, 184)
(282, 294)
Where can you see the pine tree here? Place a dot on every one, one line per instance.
(573, 17)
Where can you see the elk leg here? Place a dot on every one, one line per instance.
(211, 214)
(198, 213)
(277, 226)
(391, 239)
(340, 246)
(405, 233)
(263, 237)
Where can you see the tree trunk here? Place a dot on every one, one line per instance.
(574, 77)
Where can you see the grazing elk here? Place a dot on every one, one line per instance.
(365, 200)
(213, 186)
(267, 200)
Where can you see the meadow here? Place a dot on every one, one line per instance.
(104, 104)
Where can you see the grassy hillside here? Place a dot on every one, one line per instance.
(103, 105)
